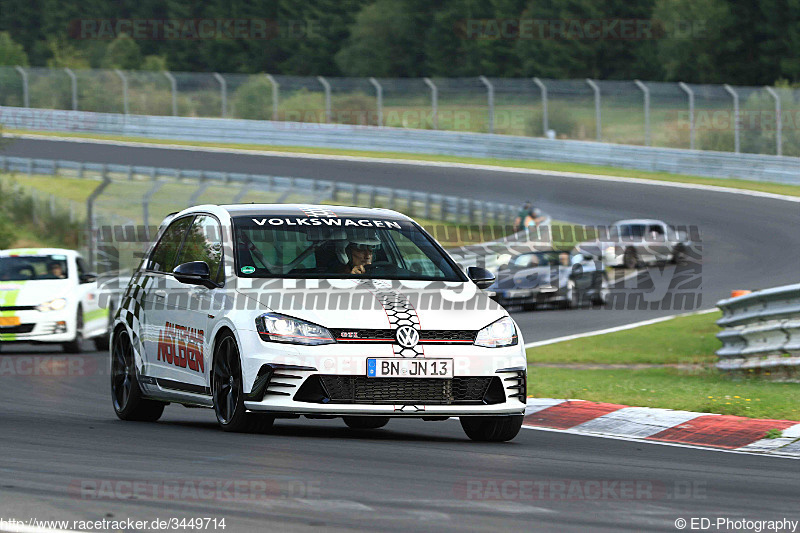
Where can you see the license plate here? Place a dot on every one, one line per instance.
(409, 368)
(9, 321)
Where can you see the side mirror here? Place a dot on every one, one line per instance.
(194, 273)
(480, 276)
(89, 277)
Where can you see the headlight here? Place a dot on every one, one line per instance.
(273, 327)
(53, 305)
(610, 250)
(498, 334)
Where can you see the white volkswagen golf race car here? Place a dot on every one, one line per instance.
(280, 311)
(48, 295)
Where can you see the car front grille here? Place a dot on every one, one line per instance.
(388, 336)
(387, 391)
(17, 307)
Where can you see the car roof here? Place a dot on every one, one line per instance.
(310, 210)
(37, 251)
(639, 221)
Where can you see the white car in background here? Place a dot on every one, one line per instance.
(637, 242)
(48, 295)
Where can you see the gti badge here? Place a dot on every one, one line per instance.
(407, 337)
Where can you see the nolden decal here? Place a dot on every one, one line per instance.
(181, 346)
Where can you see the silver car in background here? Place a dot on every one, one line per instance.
(638, 242)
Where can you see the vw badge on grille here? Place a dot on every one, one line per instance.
(407, 337)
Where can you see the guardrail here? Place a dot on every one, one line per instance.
(415, 204)
(760, 330)
(701, 163)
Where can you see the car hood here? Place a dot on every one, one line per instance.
(32, 292)
(358, 304)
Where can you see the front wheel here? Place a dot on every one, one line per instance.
(76, 344)
(228, 393)
(491, 428)
(631, 259)
(366, 422)
(129, 402)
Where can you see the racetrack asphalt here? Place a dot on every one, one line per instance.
(66, 456)
(58, 433)
(746, 242)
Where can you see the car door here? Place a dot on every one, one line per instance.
(160, 305)
(203, 242)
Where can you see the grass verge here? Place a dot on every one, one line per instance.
(682, 340)
(775, 188)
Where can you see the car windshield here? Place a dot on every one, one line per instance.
(277, 247)
(540, 259)
(27, 267)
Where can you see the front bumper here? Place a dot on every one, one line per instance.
(285, 379)
(37, 326)
(514, 297)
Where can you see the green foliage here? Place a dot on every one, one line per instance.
(123, 53)
(11, 53)
(253, 99)
(560, 118)
(7, 232)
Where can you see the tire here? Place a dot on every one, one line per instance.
(491, 428)
(76, 344)
(678, 256)
(126, 396)
(631, 259)
(366, 422)
(573, 297)
(102, 342)
(601, 296)
(228, 394)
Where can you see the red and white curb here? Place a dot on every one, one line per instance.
(647, 424)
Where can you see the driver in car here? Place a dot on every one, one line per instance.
(357, 255)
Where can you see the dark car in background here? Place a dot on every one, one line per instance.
(546, 278)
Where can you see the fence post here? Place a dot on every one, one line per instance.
(174, 89)
(688, 90)
(124, 79)
(434, 102)
(735, 96)
(598, 124)
(543, 88)
(73, 81)
(327, 87)
(646, 92)
(223, 89)
(490, 98)
(90, 213)
(275, 88)
(379, 94)
(157, 184)
(778, 121)
(243, 191)
(204, 185)
(25, 94)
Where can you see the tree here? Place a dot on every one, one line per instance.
(11, 53)
(384, 41)
(123, 53)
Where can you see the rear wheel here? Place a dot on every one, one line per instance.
(491, 428)
(228, 393)
(76, 344)
(631, 259)
(366, 422)
(129, 402)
